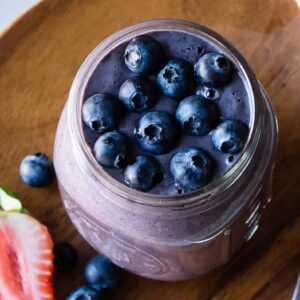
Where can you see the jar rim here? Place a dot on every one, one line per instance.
(76, 97)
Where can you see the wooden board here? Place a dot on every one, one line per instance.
(39, 56)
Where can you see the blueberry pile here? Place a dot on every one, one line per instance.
(194, 87)
(99, 274)
(65, 256)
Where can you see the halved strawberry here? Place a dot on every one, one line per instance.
(26, 258)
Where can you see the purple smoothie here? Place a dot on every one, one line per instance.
(232, 100)
(182, 236)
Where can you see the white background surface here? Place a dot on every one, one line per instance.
(11, 9)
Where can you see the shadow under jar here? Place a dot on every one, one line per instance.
(158, 236)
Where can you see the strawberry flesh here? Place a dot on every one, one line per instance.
(26, 259)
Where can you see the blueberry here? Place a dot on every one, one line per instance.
(208, 93)
(144, 173)
(65, 256)
(84, 293)
(143, 55)
(100, 273)
(230, 136)
(37, 170)
(156, 132)
(112, 149)
(138, 94)
(214, 69)
(191, 168)
(197, 115)
(101, 112)
(230, 160)
(176, 78)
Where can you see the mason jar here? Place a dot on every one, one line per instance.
(158, 236)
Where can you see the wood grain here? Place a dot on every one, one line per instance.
(39, 57)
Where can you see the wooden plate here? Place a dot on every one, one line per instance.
(39, 56)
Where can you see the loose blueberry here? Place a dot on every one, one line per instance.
(143, 55)
(101, 273)
(191, 168)
(156, 132)
(230, 136)
(176, 78)
(37, 170)
(197, 115)
(101, 112)
(214, 69)
(144, 173)
(65, 256)
(112, 150)
(84, 293)
(138, 94)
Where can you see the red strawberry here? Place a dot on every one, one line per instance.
(26, 258)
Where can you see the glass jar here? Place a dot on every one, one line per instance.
(166, 237)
